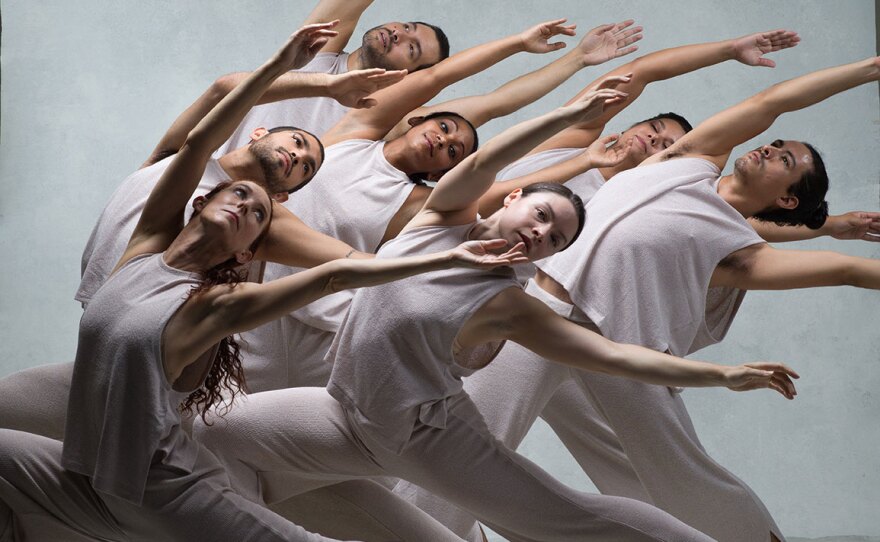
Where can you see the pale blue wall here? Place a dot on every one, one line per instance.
(88, 88)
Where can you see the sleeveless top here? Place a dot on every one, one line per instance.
(652, 239)
(113, 230)
(393, 361)
(352, 198)
(316, 115)
(122, 415)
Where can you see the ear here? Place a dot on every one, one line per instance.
(199, 203)
(258, 133)
(513, 196)
(415, 121)
(787, 202)
(280, 197)
(244, 257)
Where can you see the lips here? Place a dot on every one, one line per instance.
(526, 241)
(642, 142)
(234, 217)
(429, 144)
(756, 156)
(384, 36)
(286, 160)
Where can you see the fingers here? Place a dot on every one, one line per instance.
(774, 367)
(493, 244)
(365, 103)
(613, 81)
(766, 63)
(608, 140)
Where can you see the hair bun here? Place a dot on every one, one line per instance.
(817, 218)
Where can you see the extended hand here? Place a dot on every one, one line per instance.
(479, 254)
(854, 225)
(599, 154)
(593, 103)
(608, 42)
(750, 50)
(754, 376)
(352, 88)
(535, 39)
(302, 46)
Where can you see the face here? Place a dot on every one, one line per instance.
(287, 158)
(649, 138)
(769, 171)
(437, 145)
(399, 46)
(544, 221)
(239, 214)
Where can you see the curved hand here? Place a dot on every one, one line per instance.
(854, 225)
(352, 88)
(302, 46)
(593, 103)
(535, 39)
(750, 50)
(754, 376)
(480, 254)
(600, 154)
(609, 41)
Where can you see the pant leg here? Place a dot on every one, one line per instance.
(465, 464)
(591, 441)
(35, 400)
(284, 443)
(510, 393)
(658, 437)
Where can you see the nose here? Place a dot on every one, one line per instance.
(395, 37)
(766, 150)
(441, 139)
(539, 232)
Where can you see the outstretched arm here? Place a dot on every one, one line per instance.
(672, 62)
(248, 305)
(460, 189)
(351, 89)
(599, 45)
(162, 217)
(536, 327)
(597, 155)
(348, 12)
(417, 88)
(718, 135)
(762, 267)
(858, 225)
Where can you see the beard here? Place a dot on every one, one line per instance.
(267, 159)
(372, 50)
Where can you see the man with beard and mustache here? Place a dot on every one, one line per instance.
(410, 46)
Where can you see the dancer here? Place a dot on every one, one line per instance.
(613, 427)
(394, 404)
(410, 46)
(157, 338)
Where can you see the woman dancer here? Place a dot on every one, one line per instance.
(394, 404)
(157, 338)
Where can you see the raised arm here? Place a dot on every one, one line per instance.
(672, 62)
(762, 267)
(459, 190)
(532, 324)
(599, 45)
(417, 88)
(718, 135)
(348, 12)
(854, 225)
(597, 155)
(351, 89)
(162, 217)
(248, 305)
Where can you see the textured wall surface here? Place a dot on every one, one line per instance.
(89, 87)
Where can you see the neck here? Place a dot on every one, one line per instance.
(395, 151)
(194, 251)
(355, 60)
(485, 230)
(611, 171)
(731, 190)
(240, 165)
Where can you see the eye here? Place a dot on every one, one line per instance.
(260, 215)
(239, 191)
(444, 127)
(554, 241)
(406, 26)
(452, 152)
(542, 216)
(785, 160)
(298, 140)
(654, 127)
(306, 169)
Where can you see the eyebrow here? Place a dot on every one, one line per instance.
(417, 42)
(308, 146)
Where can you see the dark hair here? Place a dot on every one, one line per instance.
(566, 193)
(810, 190)
(320, 146)
(226, 372)
(421, 177)
(671, 116)
(442, 41)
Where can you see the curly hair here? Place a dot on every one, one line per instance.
(226, 373)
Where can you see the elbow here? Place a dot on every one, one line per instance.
(222, 86)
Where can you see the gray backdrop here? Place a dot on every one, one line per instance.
(89, 87)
